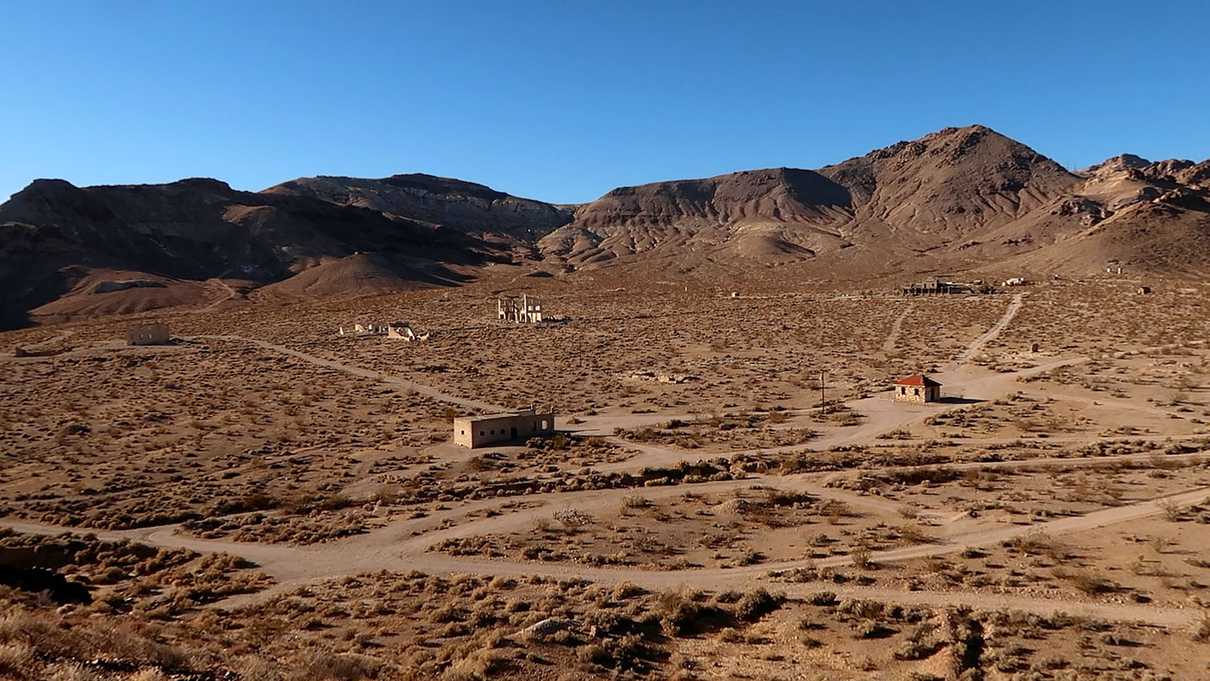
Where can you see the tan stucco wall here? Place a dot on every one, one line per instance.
(483, 432)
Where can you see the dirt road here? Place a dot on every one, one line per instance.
(353, 370)
(398, 547)
(888, 345)
(993, 333)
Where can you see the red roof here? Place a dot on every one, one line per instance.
(918, 379)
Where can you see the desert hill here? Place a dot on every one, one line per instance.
(957, 199)
(361, 274)
(764, 214)
(440, 201)
(950, 183)
(911, 196)
(1128, 211)
(56, 236)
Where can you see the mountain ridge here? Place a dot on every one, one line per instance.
(960, 198)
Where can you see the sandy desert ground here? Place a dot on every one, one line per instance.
(265, 499)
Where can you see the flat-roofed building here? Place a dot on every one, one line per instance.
(491, 429)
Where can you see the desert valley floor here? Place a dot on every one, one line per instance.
(266, 499)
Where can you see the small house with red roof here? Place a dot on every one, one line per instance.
(917, 388)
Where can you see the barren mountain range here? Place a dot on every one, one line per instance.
(957, 199)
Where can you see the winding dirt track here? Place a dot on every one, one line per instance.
(394, 381)
(888, 345)
(993, 333)
(404, 544)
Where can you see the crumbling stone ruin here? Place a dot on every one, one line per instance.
(938, 286)
(396, 330)
(403, 331)
(148, 334)
(659, 376)
(523, 310)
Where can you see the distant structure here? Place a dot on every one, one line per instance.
(480, 431)
(917, 388)
(937, 286)
(148, 334)
(403, 331)
(395, 330)
(364, 330)
(1015, 281)
(1143, 290)
(523, 310)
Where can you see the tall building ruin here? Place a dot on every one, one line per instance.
(523, 310)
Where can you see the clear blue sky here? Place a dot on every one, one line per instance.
(564, 100)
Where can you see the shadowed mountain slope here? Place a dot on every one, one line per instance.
(464, 206)
(55, 235)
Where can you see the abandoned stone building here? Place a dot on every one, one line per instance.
(518, 426)
(917, 388)
(936, 286)
(148, 334)
(523, 310)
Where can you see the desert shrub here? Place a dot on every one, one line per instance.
(870, 629)
(71, 671)
(1201, 628)
(754, 605)
(1036, 543)
(483, 664)
(1087, 581)
(920, 644)
(626, 590)
(1172, 511)
(862, 558)
(625, 653)
(15, 659)
(681, 614)
(822, 598)
(634, 501)
(572, 519)
(327, 665)
(861, 608)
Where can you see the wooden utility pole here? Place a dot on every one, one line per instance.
(823, 397)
